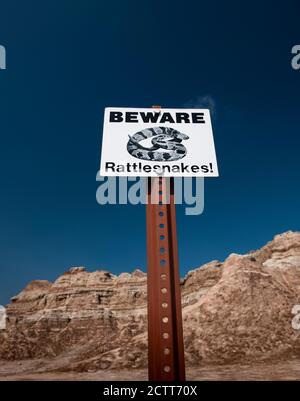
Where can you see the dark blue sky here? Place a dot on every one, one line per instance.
(67, 60)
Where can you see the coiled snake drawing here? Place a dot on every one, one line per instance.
(164, 138)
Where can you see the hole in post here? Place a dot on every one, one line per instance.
(164, 305)
(161, 214)
(161, 226)
(162, 262)
(162, 237)
(162, 250)
(165, 336)
(163, 276)
(165, 319)
(167, 369)
(164, 290)
(166, 351)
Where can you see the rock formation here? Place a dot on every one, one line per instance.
(233, 311)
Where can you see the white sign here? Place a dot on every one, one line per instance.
(158, 142)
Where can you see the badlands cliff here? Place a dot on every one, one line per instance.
(233, 311)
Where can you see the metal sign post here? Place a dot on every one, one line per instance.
(165, 336)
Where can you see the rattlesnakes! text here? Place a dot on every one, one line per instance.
(157, 169)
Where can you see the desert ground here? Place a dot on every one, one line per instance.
(32, 371)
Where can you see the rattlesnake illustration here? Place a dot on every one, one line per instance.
(164, 138)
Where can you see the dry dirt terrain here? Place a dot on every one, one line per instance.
(29, 371)
(237, 318)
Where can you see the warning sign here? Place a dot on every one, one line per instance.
(158, 142)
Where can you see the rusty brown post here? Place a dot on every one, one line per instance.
(165, 335)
